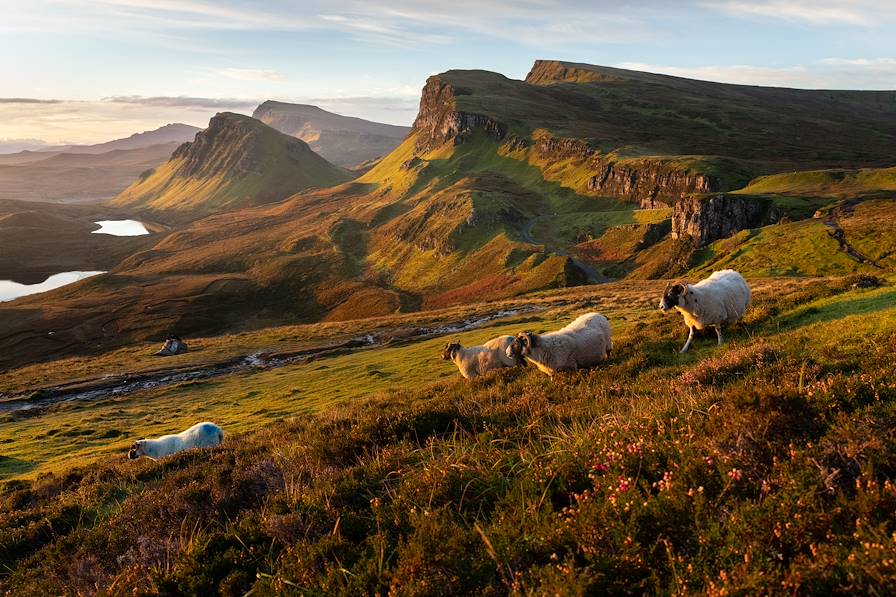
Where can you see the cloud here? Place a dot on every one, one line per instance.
(818, 75)
(865, 13)
(250, 74)
(26, 100)
(200, 103)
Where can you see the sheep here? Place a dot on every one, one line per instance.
(583, 343)
(200, 435)
(722, 298)
(479, 360)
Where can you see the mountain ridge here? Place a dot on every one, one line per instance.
(346, 141)
(237, 161)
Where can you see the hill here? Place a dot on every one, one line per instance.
(484, 201)
(76, 177)
(169, 133)
(761, 466)
(343, 140)
(237, 161)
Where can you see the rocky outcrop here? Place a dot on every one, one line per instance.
(438, 121)
(707, 218)
(551, 72)
(649, 182)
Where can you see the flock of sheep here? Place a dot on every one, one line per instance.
(721, 299)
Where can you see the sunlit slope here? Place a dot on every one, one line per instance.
(236, 162)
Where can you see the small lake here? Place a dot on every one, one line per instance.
(10, 290)
(121, 228)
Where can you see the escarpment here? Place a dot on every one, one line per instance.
(649, 182)
(438, 121)
(707, 218)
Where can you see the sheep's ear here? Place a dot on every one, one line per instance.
(528, 339)
(684, 287)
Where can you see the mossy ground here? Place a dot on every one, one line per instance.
(762, 466)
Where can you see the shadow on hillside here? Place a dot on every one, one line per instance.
(866, 305)
(10, 467)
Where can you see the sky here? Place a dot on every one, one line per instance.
(87, 71)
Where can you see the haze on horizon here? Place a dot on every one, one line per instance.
(87, 72)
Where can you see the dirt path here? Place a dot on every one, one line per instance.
(837, 233)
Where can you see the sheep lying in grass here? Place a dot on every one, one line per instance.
(479, 360)
(721, 299)
(200, 435)
(583, 343)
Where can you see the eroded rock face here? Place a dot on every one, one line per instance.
(438, 122)
(707, 218)
(650, 183)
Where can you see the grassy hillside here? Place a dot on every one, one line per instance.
(236, 162)
(761, 466)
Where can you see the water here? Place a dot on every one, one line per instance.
(121, 228)
(10, 290)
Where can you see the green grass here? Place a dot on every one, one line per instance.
(762, 466)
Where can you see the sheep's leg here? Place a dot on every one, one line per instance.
(687, 345)
(719, 333)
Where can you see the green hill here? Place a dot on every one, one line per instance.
(761, 465)
(236, 162)
(577, 175)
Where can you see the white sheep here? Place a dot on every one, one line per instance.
(583, 343)
(479, 360)
(200, 435)
(721, 299)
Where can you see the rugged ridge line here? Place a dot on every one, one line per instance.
(651, 183)
(438, 121)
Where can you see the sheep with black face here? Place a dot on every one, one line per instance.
(583, 343)
(479, 360)
(721, 299)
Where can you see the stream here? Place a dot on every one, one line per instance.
(113, 386)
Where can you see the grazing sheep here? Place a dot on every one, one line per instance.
(200, 435)
(173, 345)
(583, 343)
(479, 360)
(722, 298)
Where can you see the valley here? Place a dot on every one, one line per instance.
(316, 265)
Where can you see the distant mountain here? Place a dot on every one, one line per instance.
(343, 140)
(505, 187)
(237, 161)
(76, 177)
(170, 133)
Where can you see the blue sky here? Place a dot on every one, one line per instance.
(88, 71)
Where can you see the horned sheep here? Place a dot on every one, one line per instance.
(721, 299)
(200, 435)
(583, 343)
(474, 361)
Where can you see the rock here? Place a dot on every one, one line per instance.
(437, 121)
(173, 345)
(707, 218)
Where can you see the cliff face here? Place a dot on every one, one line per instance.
(649, 182)
(438, 121)
(709, 218)
(551, 72)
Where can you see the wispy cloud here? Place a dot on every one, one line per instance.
(864, 13)
(181, 101)
(857, 74)
(27, 100)
(250, 74)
